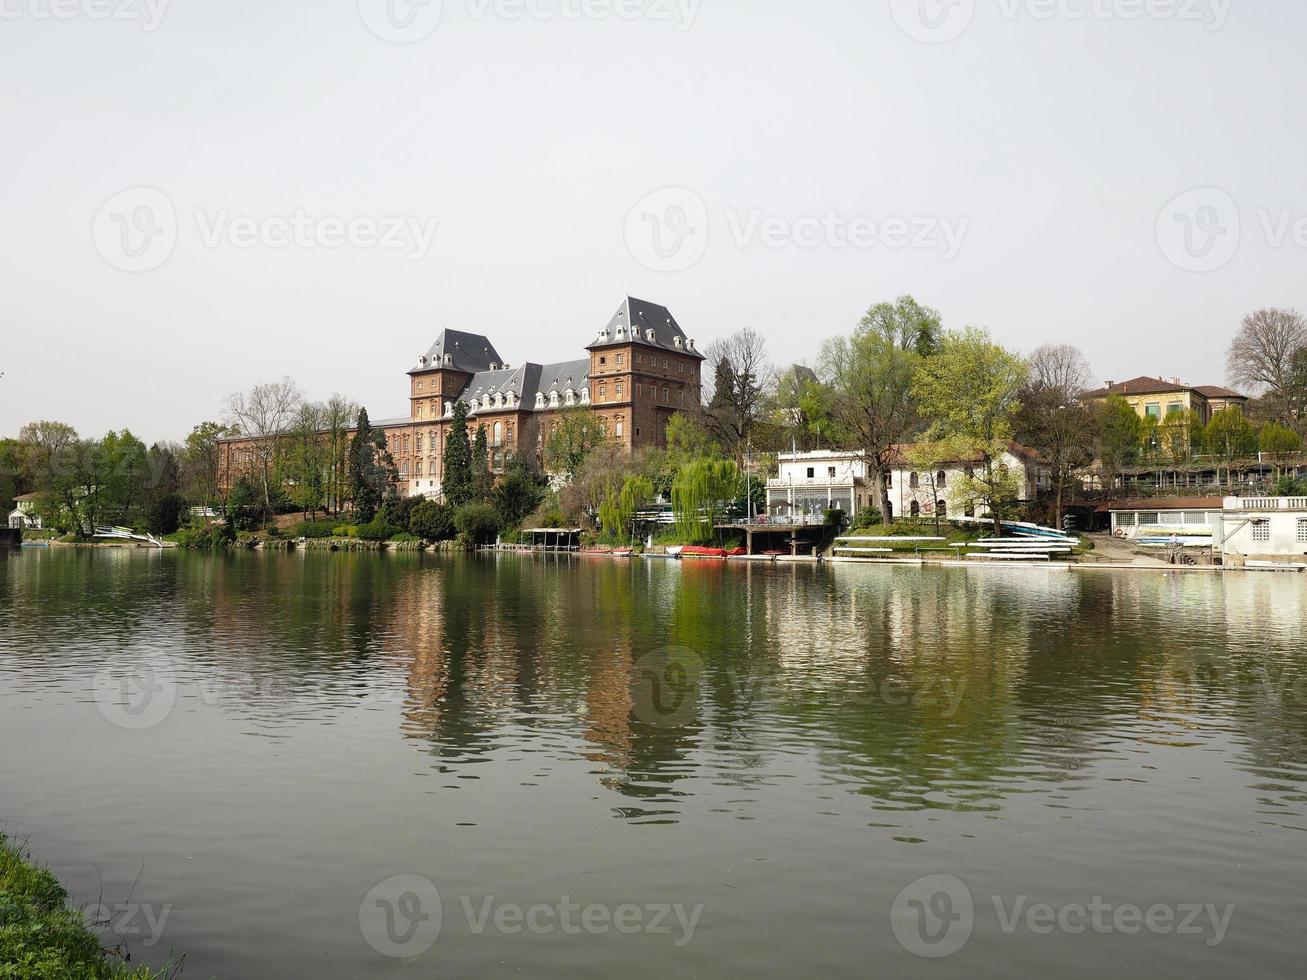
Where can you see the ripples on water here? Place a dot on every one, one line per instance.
(894, 712)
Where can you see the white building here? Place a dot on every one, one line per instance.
(24, 513)
(814, 482)
(1264, 529)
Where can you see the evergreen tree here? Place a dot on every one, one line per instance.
(372, 473)
(458, 484)
(483, 481)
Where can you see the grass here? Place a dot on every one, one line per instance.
(41, 937)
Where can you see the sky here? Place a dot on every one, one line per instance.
(198, 197)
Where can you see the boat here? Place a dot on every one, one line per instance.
(695, 551)
(675, 551)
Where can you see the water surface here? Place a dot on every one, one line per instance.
(257, 745)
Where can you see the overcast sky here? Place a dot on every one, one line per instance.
(198, 196)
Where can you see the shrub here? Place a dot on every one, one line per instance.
(477, 523)
(432, 521)
(215, 537)
(314, 529)
(867, 518)
(378, 529)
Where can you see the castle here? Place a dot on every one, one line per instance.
(641, 369)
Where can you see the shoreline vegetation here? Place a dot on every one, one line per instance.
(42, 937)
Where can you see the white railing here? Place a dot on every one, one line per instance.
(1266, 503)
(775, 483)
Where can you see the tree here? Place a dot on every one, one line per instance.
(338, 415)
(1053, 419)
(483, 480)
(519, 492)
(970, 389)
(620, 507)
(1278, 442)
(1262, 357)
(1118, 433)
(308, 459)
(43, 444)
(575, 435)
(199, 463)
(372, 472)
(907, 323)
(458, 484)
(742, 375)
(701, 490)
(14, 479)
(263, 415)
(1230, 436)
(477, 524)
(869, 377)
(432, 521)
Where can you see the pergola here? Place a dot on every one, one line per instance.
(553, 538)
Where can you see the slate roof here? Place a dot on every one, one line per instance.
(468, 352)
(646, 325)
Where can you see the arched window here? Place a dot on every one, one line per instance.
(916, 509)
(553, 399)
(499, 433)
(914, 481)
(540, 399)
(941, 508)
(570, 396)
(941, 479)
(585, 396)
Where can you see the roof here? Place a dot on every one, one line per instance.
(26, 496)
(1158, 386)
(467, 352)
(647, 325)
(1215, 391)
(899, 453)
(1164, 503)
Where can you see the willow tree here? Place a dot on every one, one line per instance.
(699, 493)
(620, 506)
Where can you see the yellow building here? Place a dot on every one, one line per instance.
(1158, 399)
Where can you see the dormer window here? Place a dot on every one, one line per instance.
(619, 333)
(570, 397)
(449, 408)
(585, 396)
(449, 358)
(650, 334)
(553, 399)
(678, 342)
(499, 399)
(540, 399)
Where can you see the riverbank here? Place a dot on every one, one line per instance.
(42, 938)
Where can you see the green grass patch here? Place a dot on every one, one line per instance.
(42, 938)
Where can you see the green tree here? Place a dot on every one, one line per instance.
(459, 485)
(620, 507)
(519, 492)
(576, 434)
(483, 480)
(432, 520)
(199, 463)
(308, 458)
(1279, 441)
(477, 524)
(1230, 435)
(907, 323)
(868, 377)
(970, 389)
(372, 473)
(1119, 437)
(700, 493)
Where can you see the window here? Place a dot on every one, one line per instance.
(811, 472)
(499, 433)
(916, 509)
(619, 389)
(1174, 408)
(1302, 531)
(1153, 410)
(621, 358)
(1149, 519)
(941, 479)
(619, 429)
(417, 468)
(666, 397)
(637, 391)
(914, 481)
(1262, 531)
(941, 508)
(510, 431)
(603, 393)
(830, 471)
(603, 360)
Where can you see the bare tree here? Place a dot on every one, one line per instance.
(742, 377)
(264, 415)
(1053, 419)
(338, 420)
(1262, 356)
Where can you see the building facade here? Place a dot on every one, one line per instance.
(24, 514)
(639, 370)
(1160, 399)
(810, 483)
(1264, 530)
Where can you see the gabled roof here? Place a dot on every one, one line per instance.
(1158, 386)
(467, 352)
(645, 324)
